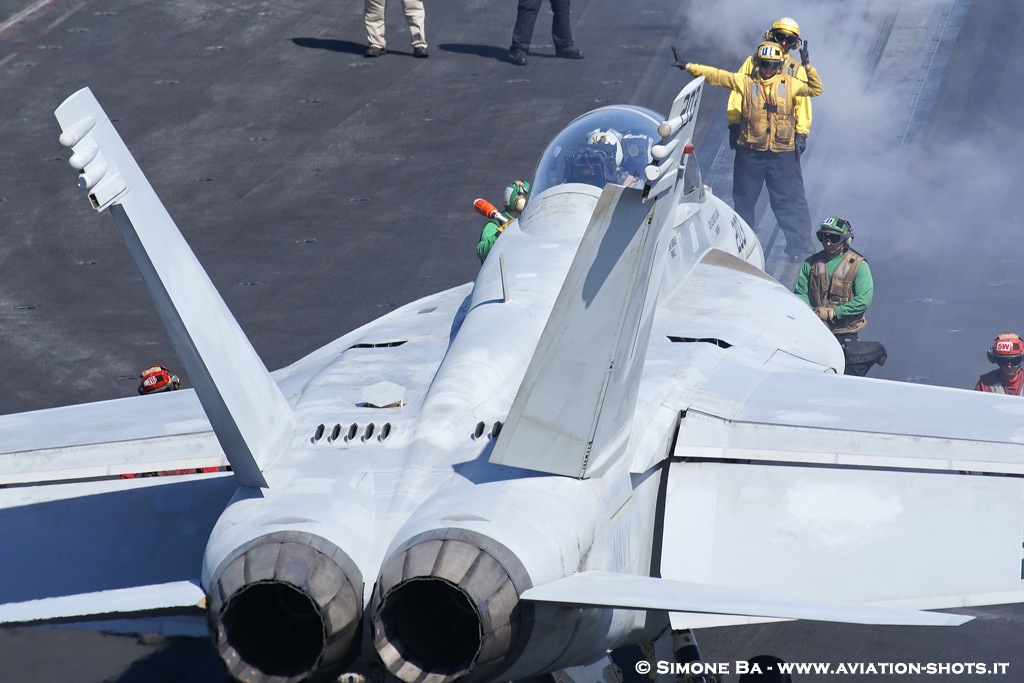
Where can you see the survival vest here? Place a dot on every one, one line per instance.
(823, 291)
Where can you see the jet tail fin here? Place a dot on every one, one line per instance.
(246, 408)
(579, 391)
(574, 409)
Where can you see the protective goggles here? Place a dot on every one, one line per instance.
(1009, 361)
(830, 237)
(769, 65)
(786, 40)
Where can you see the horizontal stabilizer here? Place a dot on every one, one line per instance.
(248, 412)
(912, 539)
(178, 597)
(626, 591)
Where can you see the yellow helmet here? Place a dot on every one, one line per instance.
(785, 32)
(769, 55)
(787, 25)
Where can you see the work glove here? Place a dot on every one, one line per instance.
(825, 313)
(679, 64)
(734, 135)
(805, 55)
(801, 143)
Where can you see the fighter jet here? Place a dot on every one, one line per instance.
(622, 429)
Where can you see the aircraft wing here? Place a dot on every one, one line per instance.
(107, 438)
(724, 327)
(854, 421)
(788, 479)
(831, 487)
(754, 373)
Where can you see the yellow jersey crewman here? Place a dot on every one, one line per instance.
(766, 142)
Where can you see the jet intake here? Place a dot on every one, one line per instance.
(446, 606)
(283, 607)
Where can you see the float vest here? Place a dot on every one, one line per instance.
(825, 292)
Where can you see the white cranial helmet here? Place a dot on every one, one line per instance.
(607, 137)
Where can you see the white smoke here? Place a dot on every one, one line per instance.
(928, 184)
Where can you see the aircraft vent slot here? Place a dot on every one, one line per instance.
(426, 310)
(496, 429)
(352, 431)
(479, 431)
(702, 340)
(378, 345)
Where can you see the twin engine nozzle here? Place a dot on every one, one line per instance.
(447, 606)
(286, 606)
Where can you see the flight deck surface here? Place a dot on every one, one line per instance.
(320, 189)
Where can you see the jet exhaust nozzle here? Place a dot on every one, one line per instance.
(284, 606)
(446, 606)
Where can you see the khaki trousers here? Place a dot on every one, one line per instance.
(374, 18)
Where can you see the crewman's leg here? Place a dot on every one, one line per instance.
(748, 173)
(526, 17)
(414, 16)
(783, 191)
(805, 209)
(374, 19)
(561, 30)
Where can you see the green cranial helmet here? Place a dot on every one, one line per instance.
(832, 226)
(516, 194)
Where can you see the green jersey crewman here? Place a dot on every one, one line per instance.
(516, 194)
(836, 282)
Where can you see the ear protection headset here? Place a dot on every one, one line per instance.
(516, 195)
(836, 225)
(1007, 346)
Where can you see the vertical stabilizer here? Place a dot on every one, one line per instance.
(574, 409)
(248, 412)
(580, 388)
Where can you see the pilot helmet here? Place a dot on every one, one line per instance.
(516, 194)
(785, 32)
(598, 161)
(1007, 350)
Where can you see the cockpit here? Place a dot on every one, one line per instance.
(608, 145)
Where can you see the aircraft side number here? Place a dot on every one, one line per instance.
(741, 235)
(690, 103)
